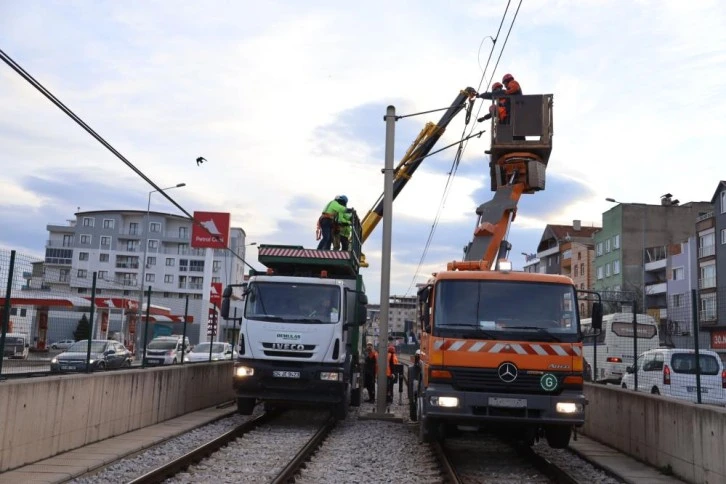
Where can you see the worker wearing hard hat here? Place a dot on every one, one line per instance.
(499, 109)
(328, 219)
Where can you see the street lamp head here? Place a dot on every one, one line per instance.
(181, 185)
(611, 200)
(253, 243)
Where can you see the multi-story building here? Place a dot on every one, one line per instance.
(401, 315)
(121, 250)
(681, 260)
(706, 268)
(718, 331)
(632, 247)
(557, 245)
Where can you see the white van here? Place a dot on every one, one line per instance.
(17, 345)
(166, 350)
(671, 372)
(615, 344)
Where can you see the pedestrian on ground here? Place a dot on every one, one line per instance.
(370, 367)
(392, 360)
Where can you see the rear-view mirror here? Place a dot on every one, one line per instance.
(362, 299)
(597, 315)
(629, 369)
(226, 295)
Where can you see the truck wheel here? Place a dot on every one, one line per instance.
(245, 406)
(355, 397)
(558, 436)
(340, 410)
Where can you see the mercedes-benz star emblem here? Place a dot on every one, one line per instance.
(507, 372)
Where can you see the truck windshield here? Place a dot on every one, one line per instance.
(501, 309)
(14, 341)
(295, 303)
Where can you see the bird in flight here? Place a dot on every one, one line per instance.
(200, 160)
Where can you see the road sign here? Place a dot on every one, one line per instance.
(215, 294)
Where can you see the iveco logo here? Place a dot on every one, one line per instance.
(507, 372)
(288, 346)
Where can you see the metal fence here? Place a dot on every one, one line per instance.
(56, 319)
(677, 349)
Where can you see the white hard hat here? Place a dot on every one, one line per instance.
(418, 352)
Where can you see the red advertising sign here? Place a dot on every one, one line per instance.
(210, 230)
(718, 340)
(215, 295)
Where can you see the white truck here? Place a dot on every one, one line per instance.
(17, 345)
(299, 342)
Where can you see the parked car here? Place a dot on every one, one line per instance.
(105, 355)
(220, 351)
(166, 350)
(63, 344)
(672, 372)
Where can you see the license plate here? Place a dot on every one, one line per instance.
(507, 402)
(693, 390)
(286, 374)
(66, 367)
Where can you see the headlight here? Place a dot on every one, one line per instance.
(54, 360)
(243, 371)
(91, 361)
(331, 376)
(568, 407)
(444, 401)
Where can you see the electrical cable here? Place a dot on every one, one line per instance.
(464, 139)
(32, 81)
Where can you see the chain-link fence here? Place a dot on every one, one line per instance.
(677, 349)
(56, 320)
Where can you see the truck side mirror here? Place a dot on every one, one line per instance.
(597, 315)
(226, 295)
(362, 315)
(362, 299)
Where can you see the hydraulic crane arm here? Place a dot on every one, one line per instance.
(416, 153)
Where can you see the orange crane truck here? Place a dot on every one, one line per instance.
(502, 349)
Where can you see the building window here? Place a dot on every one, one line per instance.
(723, 236)
(183, 232)
(183, 248)
(64, 275)
(105, 241)
(616, 242)
(82, 290)
(132, 245)
(677, 300)
(153, 244)
(85, 239)
(216, 265)
(67, 240)
(599, 272)
(88, 222)
(616, 267)
(607, 245)
(599, 249)
(170, 262)
(576, 271)
(607, 270)
(582, 269)
(103, 257)
(216, 279)
(549, 262)
(150, 277)
(103, 275)
(678, 273)
(82, 273)
(169, 279)
(134, 228)
(107, 223)
(723, 201)
(155, 227)
(83, 256)
(150, 261)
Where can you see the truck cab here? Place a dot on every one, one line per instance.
(299, 333)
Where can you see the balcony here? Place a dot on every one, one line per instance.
(657, 288)
(705, 216)
(125, 282)
(707, 316)
(176, 236)
(134, 234)
(127, 265)
(550, 251)
(706, 250)
(656, 265)
(707, 282)
(59, 243)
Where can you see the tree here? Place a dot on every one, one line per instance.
(83, 330)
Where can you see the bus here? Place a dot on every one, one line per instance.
(614, 344)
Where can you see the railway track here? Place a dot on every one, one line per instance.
(491, 460)
(184, 465)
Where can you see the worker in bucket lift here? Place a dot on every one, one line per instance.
(345, 230)
(499, 109)
(332, 212)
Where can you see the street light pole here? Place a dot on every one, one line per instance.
(146, 244)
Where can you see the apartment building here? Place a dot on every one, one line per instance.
(557, 246)
(127, 250)
(631, 249)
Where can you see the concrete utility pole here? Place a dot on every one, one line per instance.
(390, 119)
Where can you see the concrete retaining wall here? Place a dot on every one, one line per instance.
(41, 417)
(663, 432)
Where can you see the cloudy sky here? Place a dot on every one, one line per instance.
(285, 100)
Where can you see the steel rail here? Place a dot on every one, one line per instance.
(295, 465)
(450, 475)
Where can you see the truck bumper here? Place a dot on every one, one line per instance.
(277, 381)
(485, 407)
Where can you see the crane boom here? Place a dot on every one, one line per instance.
(416, 153)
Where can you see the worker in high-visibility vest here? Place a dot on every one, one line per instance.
(328, 219)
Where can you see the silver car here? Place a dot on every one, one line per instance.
(220, 351)
(63, 344)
